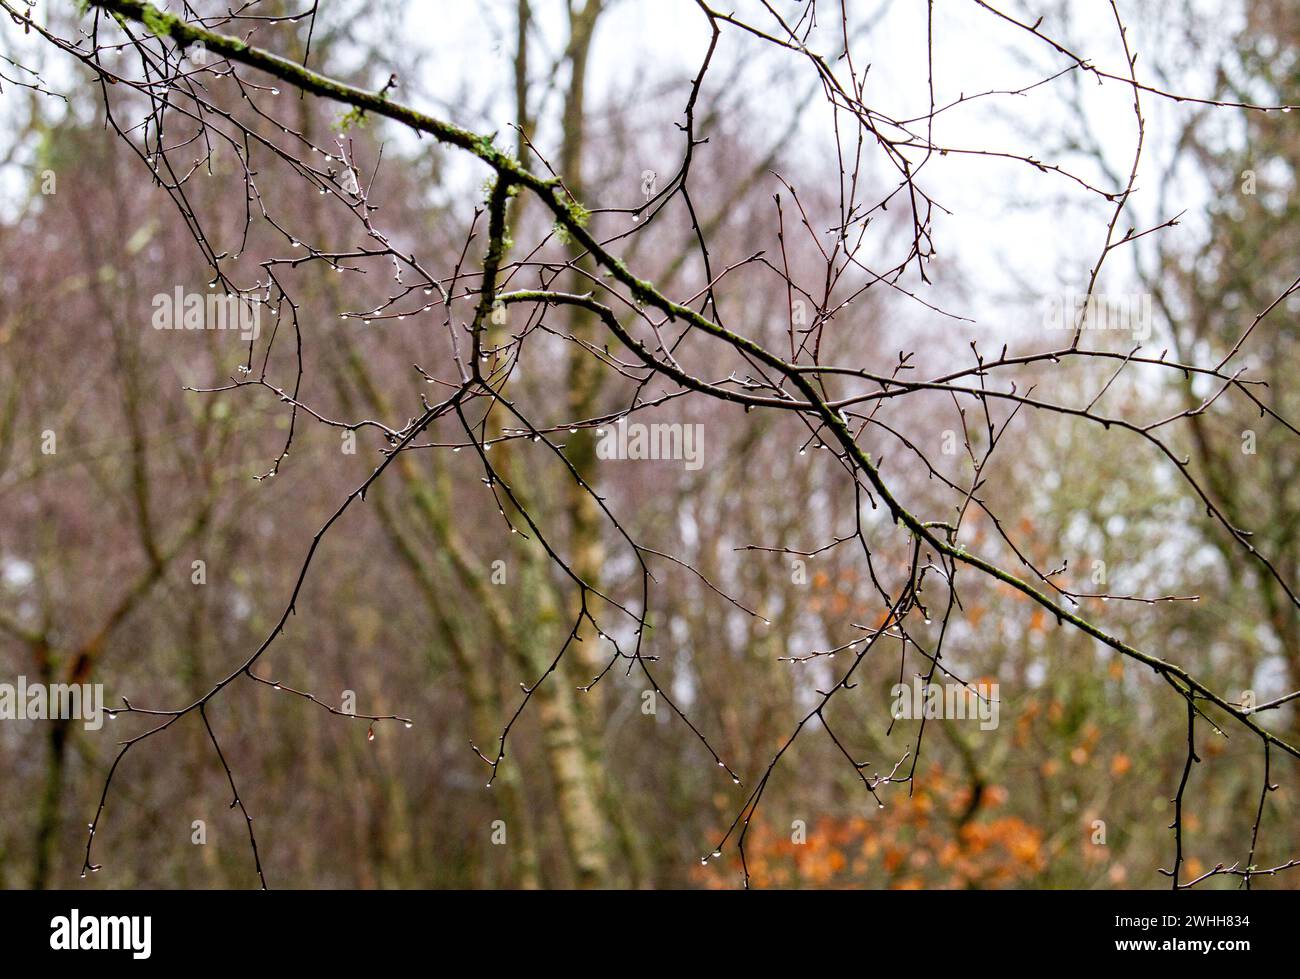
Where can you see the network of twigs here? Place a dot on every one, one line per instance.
(180, 125)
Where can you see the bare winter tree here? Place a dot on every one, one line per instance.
(778, 336)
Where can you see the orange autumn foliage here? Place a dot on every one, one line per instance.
(914, 842)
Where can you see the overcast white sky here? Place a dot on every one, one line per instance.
(997, 206)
